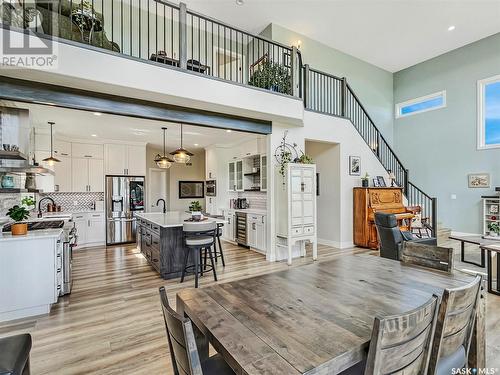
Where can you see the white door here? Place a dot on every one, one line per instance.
(62, 174)
(136, 162)
(79, 175)
(115, 159)
(157, 188)
(96, 175)
(96, 229)
(229, 65)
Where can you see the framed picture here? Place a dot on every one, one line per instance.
(354, 165)
(381, 181)
(375, 182)
(191, 189)
(479, 180)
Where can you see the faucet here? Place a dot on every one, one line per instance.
(40, 205)
(164, 204)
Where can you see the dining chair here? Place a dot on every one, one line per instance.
(400, 343)
(182, 345)
(430, 256)
(454, 328)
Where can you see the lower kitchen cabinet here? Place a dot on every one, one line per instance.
(256, 231)
(228, 228)
(90, 229)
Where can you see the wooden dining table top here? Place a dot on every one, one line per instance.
(312, 319)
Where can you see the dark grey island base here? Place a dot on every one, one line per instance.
(159, 237)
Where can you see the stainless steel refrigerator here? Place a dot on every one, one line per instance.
(124, 198)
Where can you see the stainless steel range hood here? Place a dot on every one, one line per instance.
(16, 162)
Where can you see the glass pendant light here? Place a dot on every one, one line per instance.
(51, 160)
(181, 155)
(164, 161)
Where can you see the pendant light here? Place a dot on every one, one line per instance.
(51, 160)
(164, 161)
(181, 155)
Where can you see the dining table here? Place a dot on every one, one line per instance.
(316, 318)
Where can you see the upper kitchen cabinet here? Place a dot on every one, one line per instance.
(62, 174)
(211, 163)
(121, 159)
(87, 151)
(87, 175)
(62, 148)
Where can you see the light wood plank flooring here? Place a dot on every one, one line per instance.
(112, 321)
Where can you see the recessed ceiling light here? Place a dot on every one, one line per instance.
(196, 145)
(228, 131)
(97, 113)
(240, 2)
(451, 28)
(94, 135)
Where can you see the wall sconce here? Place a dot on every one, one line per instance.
(298, 44)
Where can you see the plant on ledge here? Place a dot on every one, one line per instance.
(494, 229)
(195, 206)
(272, 76)
(18, 214)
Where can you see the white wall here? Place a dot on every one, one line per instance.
(181, 172)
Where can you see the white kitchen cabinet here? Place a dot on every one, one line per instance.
(232, 176)
(228, 228)
(90, 229)
(62, 148)
(87, 175)
(81, 225)
(239, 175)
(62, 174)
(121, 159)
(256, 232)
(87, 150)
(211, 205)
(210, 163)
(263, 172)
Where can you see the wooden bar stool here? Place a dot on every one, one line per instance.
(199, 237)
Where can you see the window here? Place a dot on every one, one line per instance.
(422, 104)
(489, 112)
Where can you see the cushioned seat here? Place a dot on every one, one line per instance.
(199, 240)
(216, 365)
(15, 354)
(455, 360)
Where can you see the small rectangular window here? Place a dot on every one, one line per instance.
(489, 113)
(422, 104)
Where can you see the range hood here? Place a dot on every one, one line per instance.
(16, 162)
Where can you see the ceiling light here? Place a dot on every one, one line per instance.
(228, 131)
(164, 161)
(93, 135)
(451, 28)
(51, 160)
(240, 2)
(181, 155)
(196, 145)
(97, 113)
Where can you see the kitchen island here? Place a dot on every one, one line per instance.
(159, 237)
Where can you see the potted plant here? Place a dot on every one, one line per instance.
(18, 214)
(365, 180)
(272, 76)
(305, 159)
(195, 206)
(494, 229)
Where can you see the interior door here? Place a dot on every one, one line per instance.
(157, 188)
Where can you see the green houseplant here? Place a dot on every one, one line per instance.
(272, 76)
(494, 229)
(18, 214)
(195, 206)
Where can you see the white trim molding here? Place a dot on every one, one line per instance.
(439, 94)
(481, 121)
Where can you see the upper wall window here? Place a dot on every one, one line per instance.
(422, 104)
(489, 112)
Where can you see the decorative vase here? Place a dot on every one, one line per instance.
(30, 182)
(19, 229)
(7, 181)
(364, 182)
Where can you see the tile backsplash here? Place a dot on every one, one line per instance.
(256, 199)
(73, 201)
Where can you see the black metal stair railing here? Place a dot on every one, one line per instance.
(328, 94)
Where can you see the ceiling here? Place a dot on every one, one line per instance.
(83, 125)
(391, 34)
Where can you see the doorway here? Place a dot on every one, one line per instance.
(157, 188)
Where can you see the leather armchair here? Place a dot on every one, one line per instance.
(392, 238)
(15, 355)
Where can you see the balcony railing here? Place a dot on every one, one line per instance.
(166, 33)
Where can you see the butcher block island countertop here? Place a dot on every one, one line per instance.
(160, 239)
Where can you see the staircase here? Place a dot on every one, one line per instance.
(331, 95)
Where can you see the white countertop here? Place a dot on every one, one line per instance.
(247, 210)
(32, 235)
(170, 219)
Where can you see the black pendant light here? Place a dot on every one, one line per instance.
(164, 161)
(181, 155)
(51, 160)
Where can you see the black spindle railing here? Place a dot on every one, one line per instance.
(427, 204)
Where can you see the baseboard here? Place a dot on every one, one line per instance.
(336, 244)
(456, 233)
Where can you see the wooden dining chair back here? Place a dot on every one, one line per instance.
(454, 328)
(435, 257)
(181, 341)
(401, 343)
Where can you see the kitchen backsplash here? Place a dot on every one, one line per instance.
(7, 201)
(256, 200)
(73, 201)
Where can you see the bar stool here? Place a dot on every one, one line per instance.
(219, 253)
(15, 354)
(198, 237)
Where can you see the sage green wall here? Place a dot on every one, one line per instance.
(373, 85)
(440, 147)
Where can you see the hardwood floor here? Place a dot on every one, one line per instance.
(112, 321)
